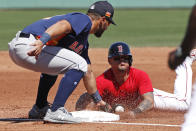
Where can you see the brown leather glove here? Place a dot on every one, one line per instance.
(106, 108)
(174, 60)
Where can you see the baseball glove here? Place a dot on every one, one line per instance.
(106, 108)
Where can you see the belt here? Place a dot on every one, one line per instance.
(24, 35)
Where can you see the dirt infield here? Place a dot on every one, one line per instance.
(19, 87)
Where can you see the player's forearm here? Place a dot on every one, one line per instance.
(90, 82)
(91, 87)
(146, 104)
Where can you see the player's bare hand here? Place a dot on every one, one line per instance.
(101, 103)
(126, 115)
(37, 50)
(104, 106)
(174, 61)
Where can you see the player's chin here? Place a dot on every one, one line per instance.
(123, 68)
(98, 35)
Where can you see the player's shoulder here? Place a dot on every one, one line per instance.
(70, 15)
(139, 75)
(79, 14)
(105, 75)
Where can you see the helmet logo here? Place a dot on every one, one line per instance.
(108, 14)
(92, 7)
(120, 49)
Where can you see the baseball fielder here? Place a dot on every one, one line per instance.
(177, 56)
(59, 45)
(130, 87)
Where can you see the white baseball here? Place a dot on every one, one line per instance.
(119, 109)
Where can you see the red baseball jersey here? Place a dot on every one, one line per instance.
(129, 92)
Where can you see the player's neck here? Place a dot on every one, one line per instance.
(94, 26)
(121, 77)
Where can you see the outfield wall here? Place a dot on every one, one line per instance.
(6, 4)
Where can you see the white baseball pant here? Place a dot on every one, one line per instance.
(52, 60)
(180, 99)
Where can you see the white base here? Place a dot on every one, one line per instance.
(95, 116)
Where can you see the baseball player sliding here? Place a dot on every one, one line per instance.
(130, 87)
(59, 45)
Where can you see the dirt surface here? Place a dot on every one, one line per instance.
(19, 87)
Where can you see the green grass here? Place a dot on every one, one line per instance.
(137, 27)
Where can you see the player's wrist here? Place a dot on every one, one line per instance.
(96, 97)
(137, 111)
(45, 38)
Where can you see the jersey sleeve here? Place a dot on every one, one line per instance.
(79, 22)
(145, 84)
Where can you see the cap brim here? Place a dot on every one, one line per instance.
(111, 21)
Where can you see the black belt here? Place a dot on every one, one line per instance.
(24, 35)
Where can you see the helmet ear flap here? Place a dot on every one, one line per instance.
(130, 60)
(118, 49)
(108, 60)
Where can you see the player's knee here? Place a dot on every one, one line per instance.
(79, 64)
(83, 66)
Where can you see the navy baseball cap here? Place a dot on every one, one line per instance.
(103, 8)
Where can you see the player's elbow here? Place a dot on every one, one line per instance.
(151, 101)
(151, 104)
(65, 26)
(148, 99)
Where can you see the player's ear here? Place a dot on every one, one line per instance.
(102, 19)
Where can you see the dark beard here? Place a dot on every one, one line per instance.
(100, 30)
(122, 70)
